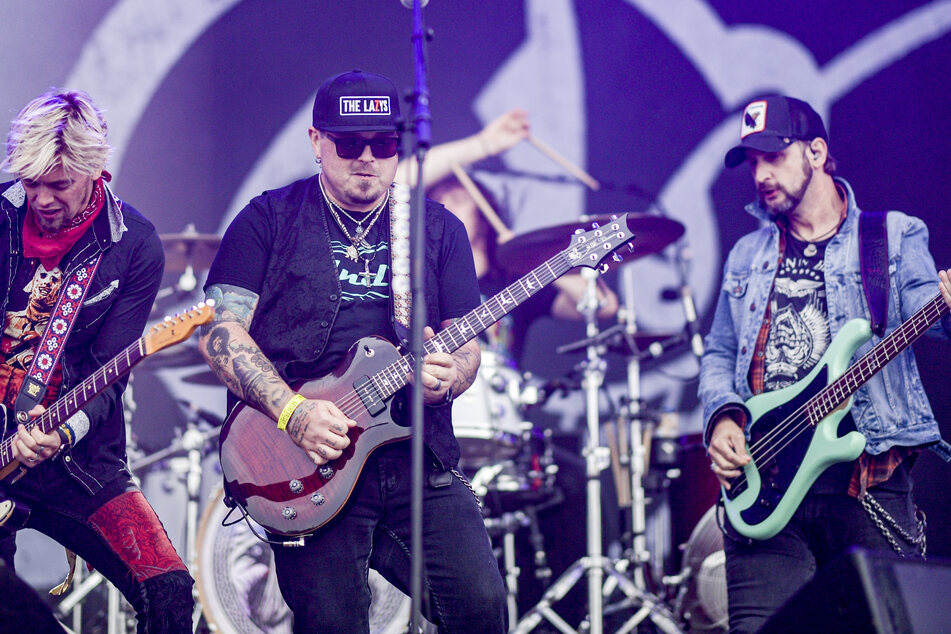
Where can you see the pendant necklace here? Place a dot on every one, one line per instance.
(356, 240)
(811, 250)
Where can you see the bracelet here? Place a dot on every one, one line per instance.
(65, 442)
(288, 411)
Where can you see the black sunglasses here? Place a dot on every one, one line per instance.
(351, 147)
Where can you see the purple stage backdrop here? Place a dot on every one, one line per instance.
(209, 102)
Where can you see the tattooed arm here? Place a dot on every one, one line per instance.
(317, 426)
(442, 370)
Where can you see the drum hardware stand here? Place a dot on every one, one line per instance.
(594, 565)
(638, 557)
(193, 442)
(507, 526)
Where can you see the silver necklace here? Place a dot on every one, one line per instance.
(356, 240)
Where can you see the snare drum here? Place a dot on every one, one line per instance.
(486, 417)
(237, 582)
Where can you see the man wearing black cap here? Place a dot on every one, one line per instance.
(788, 290)
(304, 272)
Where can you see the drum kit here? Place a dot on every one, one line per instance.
(511, 464)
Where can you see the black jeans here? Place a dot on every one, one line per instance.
(325, 581)
(117, 533)
(762, 575)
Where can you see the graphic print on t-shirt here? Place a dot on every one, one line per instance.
(799, 329)
(374, 259)
(23, 328)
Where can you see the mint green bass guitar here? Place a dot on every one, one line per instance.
(794, 431)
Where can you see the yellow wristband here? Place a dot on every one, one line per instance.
(288, 411)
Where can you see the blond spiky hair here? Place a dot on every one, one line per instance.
(58, 128)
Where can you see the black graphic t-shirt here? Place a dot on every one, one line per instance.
(364, 307)
(799, 329)
(32, 298)
(799, 335)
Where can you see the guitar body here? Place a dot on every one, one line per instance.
(275, 481)
(763, 504)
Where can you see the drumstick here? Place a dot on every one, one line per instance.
(504, 232)
(573, 169)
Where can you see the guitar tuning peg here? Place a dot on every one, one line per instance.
(595, 225)
(616, 257)
(604, 268)
(579, 231)
(613, 216)
(630, 247)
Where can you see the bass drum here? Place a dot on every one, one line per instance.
(702, 600)
(237, 583)
(486, 418)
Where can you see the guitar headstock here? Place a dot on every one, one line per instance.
(176, 329)
(590, 248)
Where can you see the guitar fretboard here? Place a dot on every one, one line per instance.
(467, 327)
(61, 409)
(839, 390)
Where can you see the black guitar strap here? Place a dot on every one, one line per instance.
(873, 253)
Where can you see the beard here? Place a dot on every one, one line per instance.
(792, 196)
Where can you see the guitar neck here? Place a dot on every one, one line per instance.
(834, 394)
(389, 380)
(64, 407)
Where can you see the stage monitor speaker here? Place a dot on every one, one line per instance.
(870, 592)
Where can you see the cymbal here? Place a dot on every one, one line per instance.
(182, 356)
(615, 339)
(526, 251)
(182, 249)
(204, 377)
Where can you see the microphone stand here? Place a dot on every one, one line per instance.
(422, 134)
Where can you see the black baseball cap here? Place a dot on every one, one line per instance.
(357, 102)
(771, 124)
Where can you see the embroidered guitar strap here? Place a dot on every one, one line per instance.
(53, 341)
(399, 259)
(873, 253)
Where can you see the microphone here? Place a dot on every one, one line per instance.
(686, 298)
(693, 326)
(409, 3)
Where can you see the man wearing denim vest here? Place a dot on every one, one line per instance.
(788, 289)
(304, 272)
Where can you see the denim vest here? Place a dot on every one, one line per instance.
(891, 408)
(300, 295)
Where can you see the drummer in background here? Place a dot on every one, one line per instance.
(562, 297)
(560, 521)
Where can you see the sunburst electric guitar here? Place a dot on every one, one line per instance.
(274, 481)
(170, 331)
(794, 431)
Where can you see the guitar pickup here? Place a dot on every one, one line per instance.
(369, 395)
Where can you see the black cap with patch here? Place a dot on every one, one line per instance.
(771, 124)
(357, 102)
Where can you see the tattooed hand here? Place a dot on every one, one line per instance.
(320, 429)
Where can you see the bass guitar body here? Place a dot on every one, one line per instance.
(275, 481)
(788, 458)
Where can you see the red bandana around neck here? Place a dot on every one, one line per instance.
(50, 248)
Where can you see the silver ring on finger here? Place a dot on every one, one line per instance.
(438, 385)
